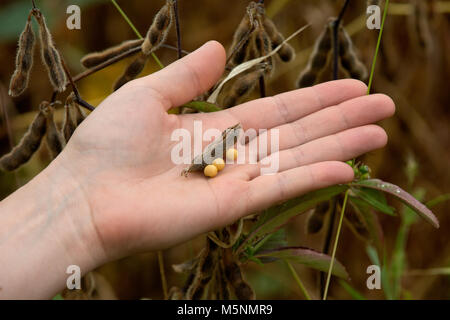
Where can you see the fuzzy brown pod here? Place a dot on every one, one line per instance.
(50, 55)
(240, 49)
(235, 278)
(54, 139)
(317, 217)
(227, 139)
(29, 143)
(203, 274)
(24, 60)
(349, 59)
(287, 52)
(318, 58)
(95, 58)
(419, 25)
(158, 31)
(242, 86)
(69, 124)
(132, 71)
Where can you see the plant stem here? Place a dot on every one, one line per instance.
(78, 98)
(333, 255)
(327, 242)
(163, 274)
(177, 27)
(336, 25)
(262, 87)
(297, 279)
(374, 61)
(158, 62)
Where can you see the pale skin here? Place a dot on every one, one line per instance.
(114, 190)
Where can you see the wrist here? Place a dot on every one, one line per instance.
(45, 227)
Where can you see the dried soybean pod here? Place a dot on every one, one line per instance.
(317, 217)
(206, 270)
(132, 71)
(79, 115)
(420, 24)
(224, 287)
(68, 125)
(349, 58)
(50, 55)
(241, 87)
(157, 33)
(29, 143)
(318, 59)
(233, 273)
(193, 282)
(54, 139)
(24, 61)
(95, 58)
(287, 52)
(240, 49)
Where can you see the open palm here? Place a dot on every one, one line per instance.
(121, 154)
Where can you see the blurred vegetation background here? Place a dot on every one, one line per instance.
(417, 77)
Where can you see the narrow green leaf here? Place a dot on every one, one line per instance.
(277, 216)
(307, 257)
(202, 106)
(401, 195)
(369, 218)
(438, 200)
(374, 198)
(351, 291)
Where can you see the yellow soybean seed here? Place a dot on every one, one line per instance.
(210, 171)
(232, 154)
(219, 164)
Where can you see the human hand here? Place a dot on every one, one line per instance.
(120, 156)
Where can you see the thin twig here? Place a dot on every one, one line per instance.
(327, 242)
(136, 31)
(240, 44)
(177, 27)
(115, 59)
(333, 255)
(298, 280)
(106, 63)
(374, 61)
(163, 274)
(262, 87)
(78, 98)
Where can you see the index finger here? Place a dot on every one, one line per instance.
(287, 107)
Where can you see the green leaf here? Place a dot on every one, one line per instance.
(401, 195)
(375, 198)
(202, 106)
(272, 241)
(277, 216)
(307, 257)
(58, 297)
(369, 218)
(351, 291)
(438, 200)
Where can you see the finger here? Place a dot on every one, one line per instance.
(273, 111)
(341, 146)
(264, 191)
(188, 77)
(349, 114)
